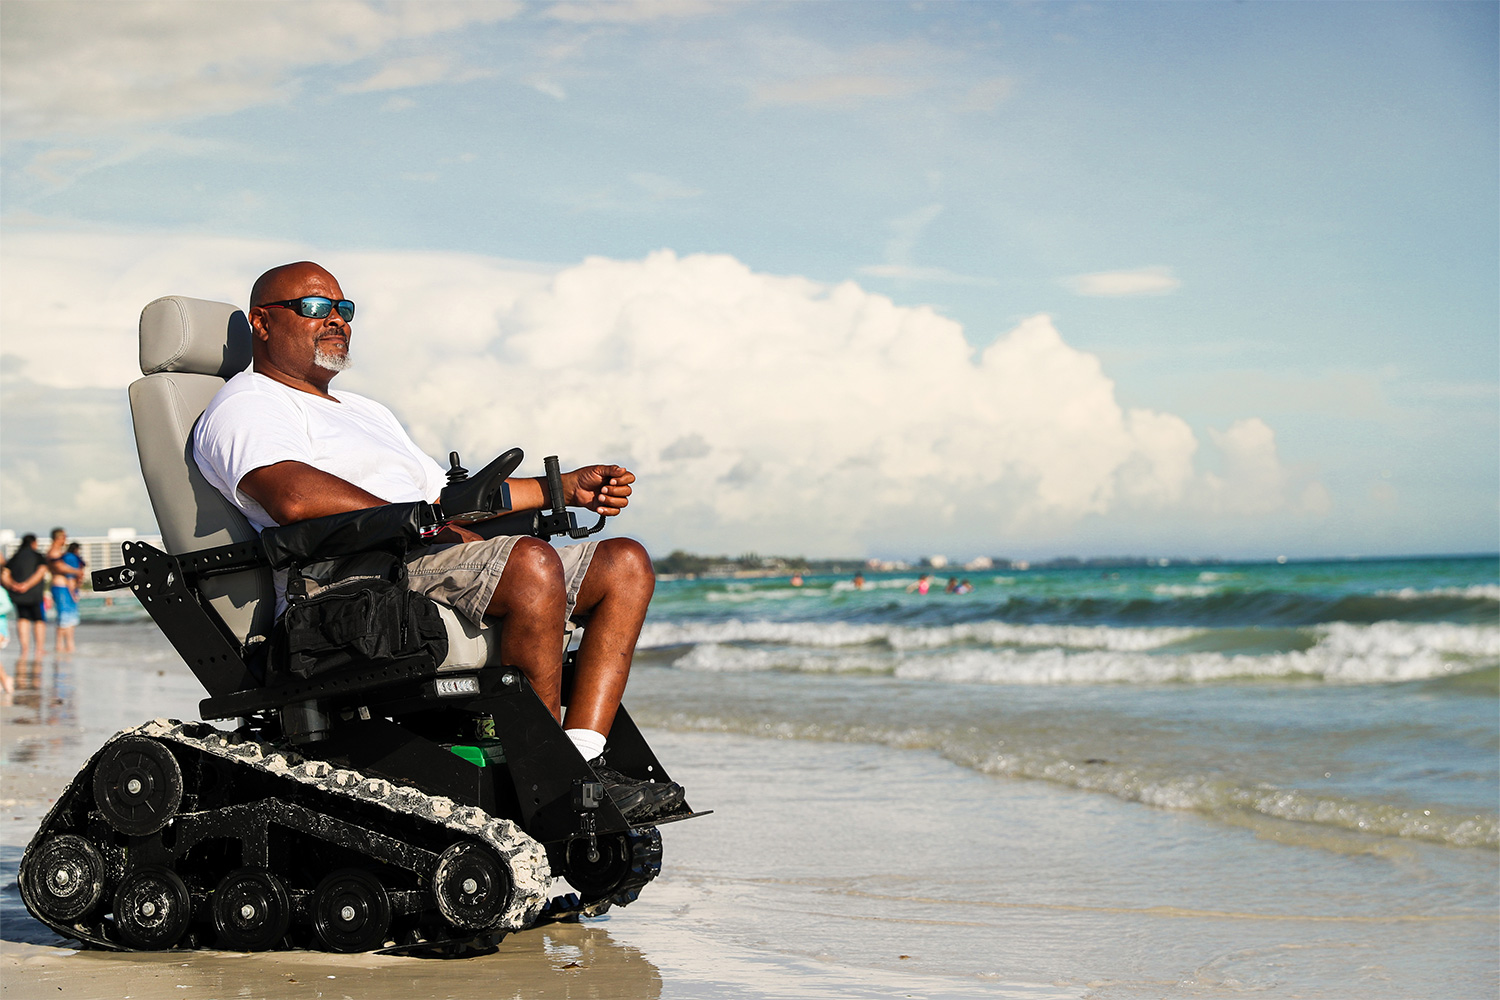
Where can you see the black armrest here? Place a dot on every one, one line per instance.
(396, 524)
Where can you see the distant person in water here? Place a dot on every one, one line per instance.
(796, 579)
(859, 581)
(952, 587)
(923, 584)
(964, 588)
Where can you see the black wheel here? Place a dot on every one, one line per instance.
(152, 908)
(351, 911)
(137, 785)
(251, 910)
(624, 864)
(63, 879)
(595, 878)
(472, 888)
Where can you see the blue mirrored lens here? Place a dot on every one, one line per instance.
(316, 307)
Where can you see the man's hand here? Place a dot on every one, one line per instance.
(603, 489)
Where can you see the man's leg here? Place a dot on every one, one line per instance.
(531, 600)
(612, 598)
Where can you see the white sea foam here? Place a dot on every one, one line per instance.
(827, 635)
(1385, 652)
(1477, 591)
(1216, 795)
(1183, 590)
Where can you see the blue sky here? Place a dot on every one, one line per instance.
(838, 278)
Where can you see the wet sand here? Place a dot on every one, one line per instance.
(829, 870)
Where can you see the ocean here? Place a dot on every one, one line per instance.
(1348, 697)
(1164, 781)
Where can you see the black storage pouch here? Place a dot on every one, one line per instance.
(365, 616)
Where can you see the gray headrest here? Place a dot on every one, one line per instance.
(179, 334)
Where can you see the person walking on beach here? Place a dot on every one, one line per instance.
(25, 576)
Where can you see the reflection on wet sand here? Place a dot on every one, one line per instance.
(564, 960)
(43, 696)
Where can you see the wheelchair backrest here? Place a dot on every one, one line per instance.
(189, 349)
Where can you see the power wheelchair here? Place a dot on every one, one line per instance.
(419, 799)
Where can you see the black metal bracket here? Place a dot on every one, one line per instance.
(168, 595)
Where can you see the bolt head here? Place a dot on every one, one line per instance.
(148, 909)
(347, 913)
(470, 887)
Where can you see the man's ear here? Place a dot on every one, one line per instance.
(257, 318)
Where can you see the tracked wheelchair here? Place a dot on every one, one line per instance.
(391, 787)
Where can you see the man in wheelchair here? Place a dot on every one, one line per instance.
(282, 448)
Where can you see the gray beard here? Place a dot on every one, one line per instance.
(330, 362)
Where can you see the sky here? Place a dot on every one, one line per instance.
(833, 278)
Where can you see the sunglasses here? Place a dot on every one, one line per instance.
(316, 306)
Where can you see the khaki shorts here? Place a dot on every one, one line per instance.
(464, 576)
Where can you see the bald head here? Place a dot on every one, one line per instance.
(300, 351)
(286, 281)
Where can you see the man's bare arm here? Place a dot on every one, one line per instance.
(295, 491)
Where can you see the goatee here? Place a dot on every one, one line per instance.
(330, 362)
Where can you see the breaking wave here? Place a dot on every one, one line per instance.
(995, 653)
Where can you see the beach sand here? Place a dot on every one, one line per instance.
(828, 870)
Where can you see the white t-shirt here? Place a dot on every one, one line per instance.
(255, 421)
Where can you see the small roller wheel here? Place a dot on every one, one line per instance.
(63, 879)
(472, 888)
(251, 910)
(137, 785)
(596, 877)
(351, 911)
(152, 908)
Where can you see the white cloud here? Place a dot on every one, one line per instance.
(629, 11)
(1117, 284)
(84, 66)
(416, 71)
(45, 166)
(549, 87)
(760, 411)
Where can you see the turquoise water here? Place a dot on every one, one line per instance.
(1346, 703)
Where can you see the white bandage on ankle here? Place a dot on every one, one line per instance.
(589, 743)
